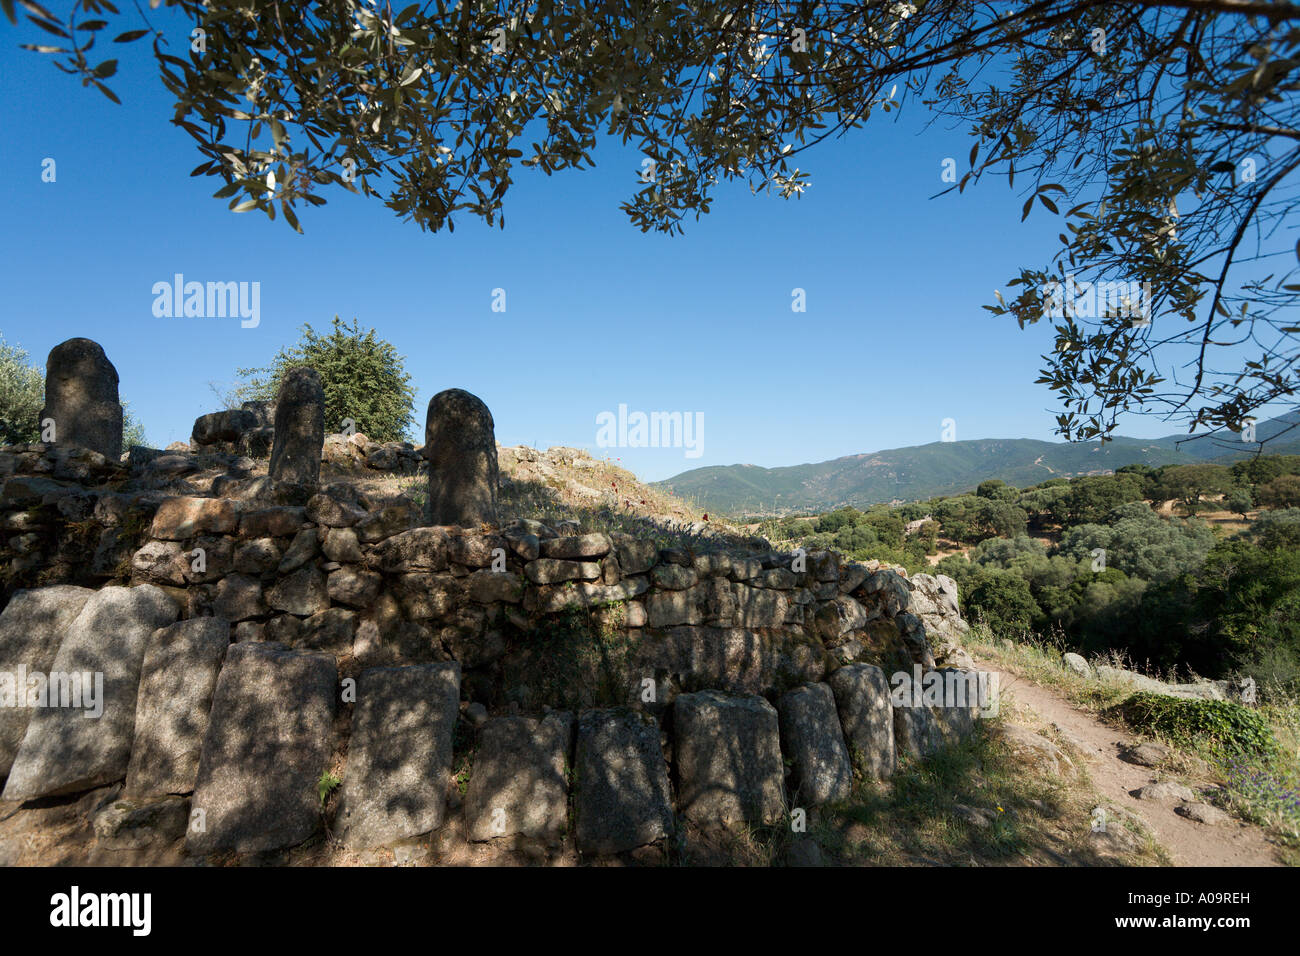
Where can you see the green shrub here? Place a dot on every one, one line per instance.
(22, 393)
(364, 379)
(326, 785)
(1222, 726)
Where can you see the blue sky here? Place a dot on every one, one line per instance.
(894, 339)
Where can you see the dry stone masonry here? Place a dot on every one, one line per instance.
(100, 655)
(548, 683)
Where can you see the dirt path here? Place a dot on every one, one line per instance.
(1188, 843)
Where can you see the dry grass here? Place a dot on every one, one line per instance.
(1031, 816)
(1258, 789)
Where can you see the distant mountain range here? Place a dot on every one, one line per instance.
(941, 468)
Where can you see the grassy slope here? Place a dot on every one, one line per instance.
(1258, 789)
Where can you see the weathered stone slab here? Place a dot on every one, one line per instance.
(238, 598)
(178, 519)
(727, 752)
(330, 630)
(31, 629)
(354, 587)
(460, 445)
(915, 730)
(399, 757)
(518, 785)
(341, 545)
(301, 550)
(419, 549)
(732, 659)
(475, 550)
(759, 607)
(299, 428)
(386, 522)
(812, 738)
(99, 663)
(622, 798)
(1077, 664)
(303, 593)
(955, 714)
(331, 512)
(838, 617)
(81, 398)
(228, 425)
(487, 587)
(259, 556)
(862, 698)
(177, 681)
(577, 547)
(280, 521)
(635, 555)
(266, 746)
(135, 825)
(673, 577)
(161, 562)
(672, 608)
(556, 571)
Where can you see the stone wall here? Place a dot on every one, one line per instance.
(250, 431)
(676, 684)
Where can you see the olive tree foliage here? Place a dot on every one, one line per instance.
(363, 377)
(1139, 542)
(22, 396)
(1164, 133)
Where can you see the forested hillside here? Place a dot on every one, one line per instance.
(940, 468)
(1194, 568)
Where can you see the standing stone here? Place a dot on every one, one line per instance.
(265, 749)
(299, 428)
(957, 712)
(728, 757)
(31, 629)
(460, 444)
(65, 750)
(81, 397)
(622, 799)
(518, 784)
(811, 735)
(916, 732)
(399, 757)
(176, 687)
(862, 697)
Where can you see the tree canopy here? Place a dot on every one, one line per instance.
(22, 395)
(364, 379)
(1164, 133)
